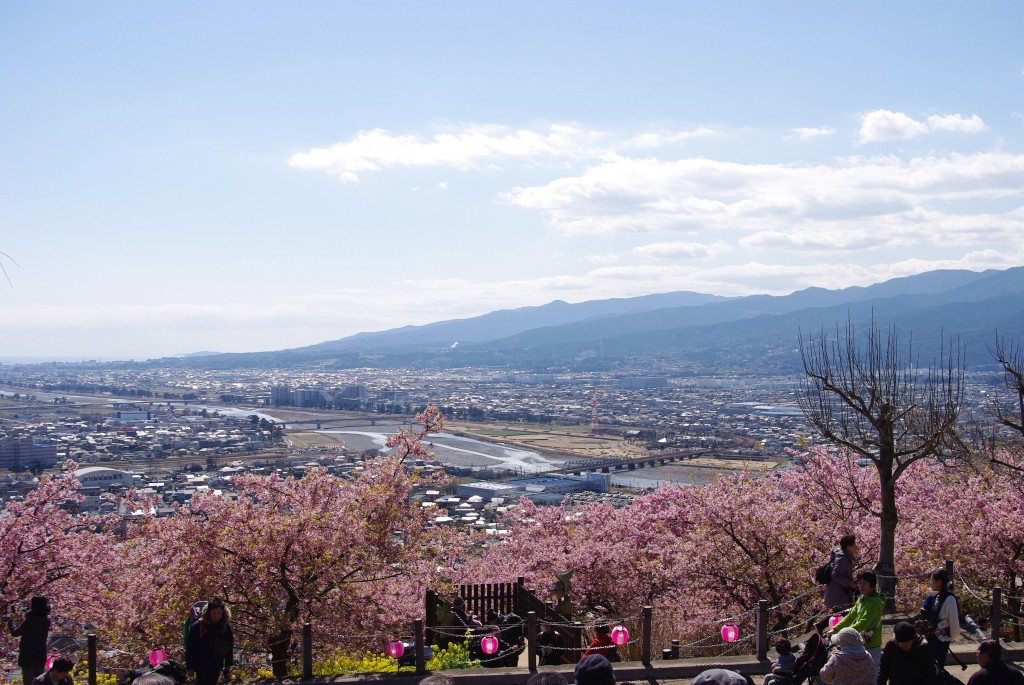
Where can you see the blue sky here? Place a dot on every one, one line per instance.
(249, 176)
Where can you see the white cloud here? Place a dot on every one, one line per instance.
(882, 124)
(681, 250)
(956, 123)
(442, 185)
(788, 206)
(475, 146)
(463, 149)
(811, 133)
(656, 140)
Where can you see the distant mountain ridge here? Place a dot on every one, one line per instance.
(506, 322)
(758, 331)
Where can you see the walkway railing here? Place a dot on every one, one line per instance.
(639, 627)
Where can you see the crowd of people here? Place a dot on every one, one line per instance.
(917, 652)
(848, 652)
(208, 641)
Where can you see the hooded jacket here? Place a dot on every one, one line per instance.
(849, 666)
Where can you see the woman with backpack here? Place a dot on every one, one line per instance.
(940, 617)
(840, 584)
(211, 645)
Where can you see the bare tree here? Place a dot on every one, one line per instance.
(875, 401)
(1008, 404)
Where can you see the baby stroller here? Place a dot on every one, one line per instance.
(812, 658)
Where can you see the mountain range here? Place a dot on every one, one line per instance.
(757, 333)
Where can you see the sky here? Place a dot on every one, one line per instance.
(243, 176)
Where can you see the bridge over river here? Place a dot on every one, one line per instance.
(613, 464)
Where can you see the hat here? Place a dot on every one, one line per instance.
(719, 676)
(594, 669)
(904, 632)
(848, 637)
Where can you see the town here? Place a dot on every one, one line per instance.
(170, 433)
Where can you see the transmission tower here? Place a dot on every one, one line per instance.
(593, 410)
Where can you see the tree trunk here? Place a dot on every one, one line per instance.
(280, 646)
(885, 569)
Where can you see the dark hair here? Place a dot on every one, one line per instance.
(215, 603)
(847, 541)
(992, 648)
(783, 646)
(62, 665)
(39, 605)
(546, 678)
(941, 575)
(868, 576)
(603, 629)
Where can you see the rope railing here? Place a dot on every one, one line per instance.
(1002, 612)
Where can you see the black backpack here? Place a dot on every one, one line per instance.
(823, 576)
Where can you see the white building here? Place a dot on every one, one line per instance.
(103, 477)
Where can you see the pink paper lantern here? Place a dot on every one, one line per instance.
(157, 657)
(730, 632)
(395, 649)
(834, 619)
(489, 644)
(620, 635)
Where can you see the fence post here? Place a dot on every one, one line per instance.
(307, 651)
(762, 629)
(431, 609)
(91, 647)
(520, 602)
(949, 569)
(674, 648)
(995, 615)
(418, 639)
(578, 641)
(531, 640)
(645, 638)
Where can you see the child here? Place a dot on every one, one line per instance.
(783, 666)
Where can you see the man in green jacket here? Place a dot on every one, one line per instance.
(866, 616)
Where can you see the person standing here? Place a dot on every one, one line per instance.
(550, 642)
(34, 631)
(602, 643)
(866, 616)
(839, 591)
(211, 645)
(906, 660)
(941, 617)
